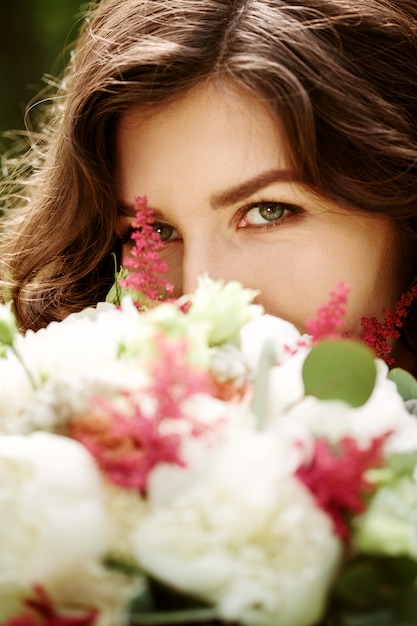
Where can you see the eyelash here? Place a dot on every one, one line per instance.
(289, 209)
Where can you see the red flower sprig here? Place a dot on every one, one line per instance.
(336, 477)
(377, 334)
(143, 258)
(40, 611)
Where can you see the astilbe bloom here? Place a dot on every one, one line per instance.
(336, 477)
(128, 445)
(328, 323)
(143, 258)
(331, 316)
(40, 611)
(173, 380)
(376, 334)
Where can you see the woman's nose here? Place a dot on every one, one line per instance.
(201, 257)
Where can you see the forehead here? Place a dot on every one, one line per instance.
(215, 134)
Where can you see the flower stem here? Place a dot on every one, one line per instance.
(23, 364)
(267, 359)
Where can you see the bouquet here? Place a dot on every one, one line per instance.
(198, 461)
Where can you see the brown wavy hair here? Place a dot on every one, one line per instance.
(341, 74)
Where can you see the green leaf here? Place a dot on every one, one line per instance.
(402, 463)
(375, 592)
(123, 566)
(406, 606)
(117, 292)
(358, 585)
(165, 618)
(377, 617)
(160, 605)
(406, 383)
(399, 571)
(340, 370)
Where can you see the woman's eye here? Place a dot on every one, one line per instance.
(263, 213)
(166, 232)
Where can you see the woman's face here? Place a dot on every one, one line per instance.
(215, 169)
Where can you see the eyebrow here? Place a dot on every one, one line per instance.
(249, 187)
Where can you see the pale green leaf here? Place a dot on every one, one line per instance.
(406, 383)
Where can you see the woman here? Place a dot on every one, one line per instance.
(276, 141)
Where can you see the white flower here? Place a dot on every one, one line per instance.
(83, 342)
(245, 536)
(228, 364)
(225, 307)
(383, 413)
(285, 386)
(282, 335)
(52, 512)
(16, 392)
(66, 397)
(91, 583)
(171, 321)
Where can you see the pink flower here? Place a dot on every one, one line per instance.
(126, 448)
(173, 379)
(144, 256)
(40, 611)
(336, 477)
(128, 445)
(331, 316)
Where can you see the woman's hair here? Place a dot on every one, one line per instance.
(341, 75)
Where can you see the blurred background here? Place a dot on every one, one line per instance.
(34, 40)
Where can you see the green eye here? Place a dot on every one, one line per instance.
(164, 231)
(262, 213)
(271, 211)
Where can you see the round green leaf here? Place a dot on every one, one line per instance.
(340, 369)
(406, 383)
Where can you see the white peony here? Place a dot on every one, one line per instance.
(246, 536)
(16, 392)
(282, 335)
(52, 516)
(83, 342)
(283, 383)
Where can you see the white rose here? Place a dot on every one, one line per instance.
(52, 509)
(246, 536)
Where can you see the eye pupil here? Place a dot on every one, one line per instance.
(271, 211)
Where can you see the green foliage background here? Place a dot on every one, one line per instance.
(34, 35)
